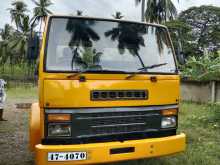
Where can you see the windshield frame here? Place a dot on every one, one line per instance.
(176, 72)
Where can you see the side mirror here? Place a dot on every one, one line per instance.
(33, 46)
(181, 58)
(36, 70)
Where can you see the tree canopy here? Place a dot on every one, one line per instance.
(117, 15)
(41, 7)
(17, 12)
(205, 24)
(158, 11)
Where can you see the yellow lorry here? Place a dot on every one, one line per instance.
(108, 91)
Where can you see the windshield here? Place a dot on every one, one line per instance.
(77, 44)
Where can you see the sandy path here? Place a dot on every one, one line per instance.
(14, 135)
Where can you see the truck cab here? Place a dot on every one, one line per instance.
(108, 91)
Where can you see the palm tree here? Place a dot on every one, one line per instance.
(142, 8)
(41, 9)
(82, 34)
(129, 37)
(79, 12)
(19, 38)
(159, 11)
(5, 34)
(18, 43)
(118, 15)
(17, 12)
(89, 59)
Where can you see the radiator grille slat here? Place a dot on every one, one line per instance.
(113, 123)
(117, 125)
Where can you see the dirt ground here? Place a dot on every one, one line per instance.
(14, 133)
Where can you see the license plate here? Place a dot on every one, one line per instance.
(66, 156)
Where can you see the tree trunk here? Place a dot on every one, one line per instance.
(1, 114)
(40, 24)
(3, 68)
(143, 11)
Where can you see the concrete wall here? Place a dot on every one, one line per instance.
(217, 91)
(203, 92)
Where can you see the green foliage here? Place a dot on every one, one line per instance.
(14, 43)
(205, 24)
(18, 41)
(20, 72)
(196, 31)
(89, 59)
(202, 68)
(41, 8)
(18, 10)
(181, 35)
(79, 13)
(118, 15)
(5, 52)
(158, 11)
(201, 124)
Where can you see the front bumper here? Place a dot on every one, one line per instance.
(100, 152)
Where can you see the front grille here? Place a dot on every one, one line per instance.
(92, 125)
(119, 95)
(111, 123)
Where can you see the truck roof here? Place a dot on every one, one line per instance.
(106, 19)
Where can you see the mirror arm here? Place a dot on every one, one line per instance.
(32, 24)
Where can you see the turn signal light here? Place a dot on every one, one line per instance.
(59, 117)
(169, 112)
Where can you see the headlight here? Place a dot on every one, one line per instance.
(168, 122)
(59, 130)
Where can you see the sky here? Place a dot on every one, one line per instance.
(99, 8)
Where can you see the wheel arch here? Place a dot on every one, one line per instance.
(34, 126)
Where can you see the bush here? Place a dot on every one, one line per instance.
(204, 68)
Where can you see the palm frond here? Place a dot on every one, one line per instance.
(137, 2)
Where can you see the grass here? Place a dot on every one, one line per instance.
(16, 72)
(200, 122)
(29, 91)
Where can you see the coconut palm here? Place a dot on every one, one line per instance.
(19, 45)
(6, 32)
(89, 59)
(82, 34)
(18, 41)
(118, 15)
(142, 8)
(79, 12)
(5, 53)
(41, 10)
(17, 12)
(129, 37)
(159, 11)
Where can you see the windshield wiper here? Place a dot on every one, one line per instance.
(145, 69)
(152, 66)
(95, 71)
(78, 73)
